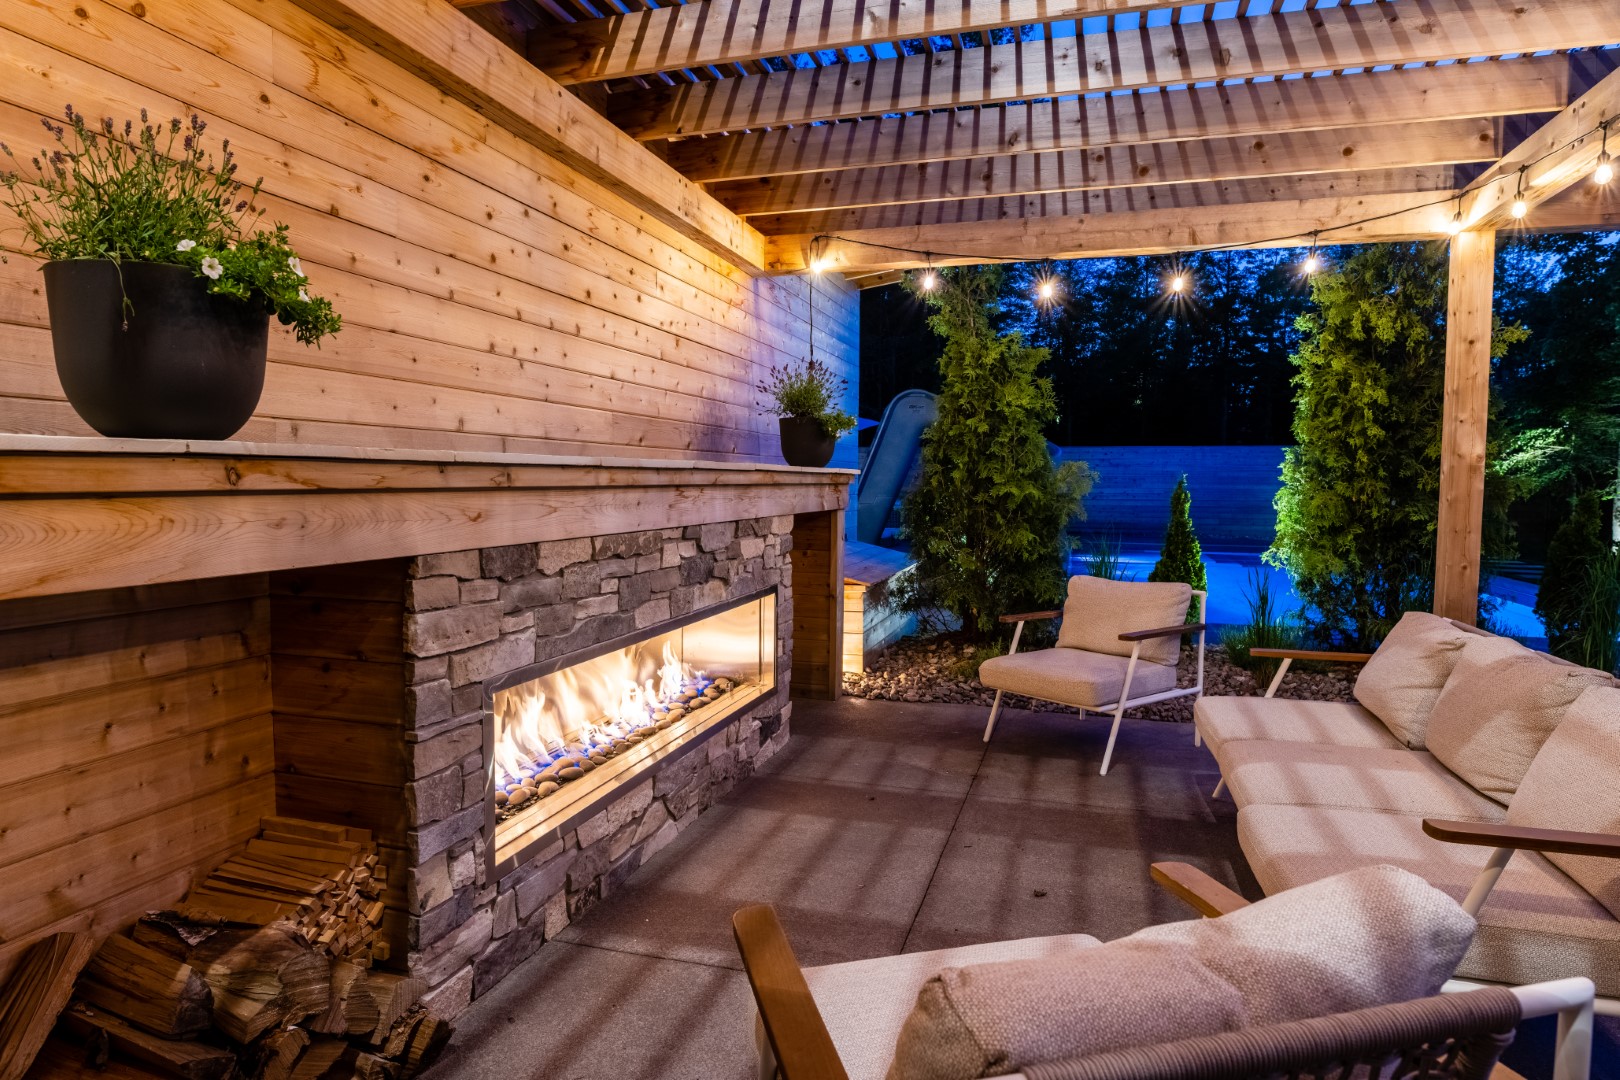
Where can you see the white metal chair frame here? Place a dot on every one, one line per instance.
(1135, 637)
(1503, 839)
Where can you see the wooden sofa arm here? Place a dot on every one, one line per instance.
(1519, 837)
(804, 1050)
(1164, 631)
(1321, 655)
(1196, 889)
(1031, 616)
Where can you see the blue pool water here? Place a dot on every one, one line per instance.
(1231, 581)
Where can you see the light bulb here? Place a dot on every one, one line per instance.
(1519, 208)
(1045, 290)
(928, 281)
(819, 264)
(1604, 171)
(1312, 264)
(1177, 283)
(1455, 225)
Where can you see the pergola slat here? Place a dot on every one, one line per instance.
(737, 31)
(1451, 92)
(1341, 150)
(1251, 46)
(946, 225)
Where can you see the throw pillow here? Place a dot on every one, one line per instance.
(1367, 937)
(1574, 783)
(1402, 681)
(1500, 704)
(1099, 610)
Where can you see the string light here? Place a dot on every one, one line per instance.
(1045, 290)
(1605, 168)
(1519, 207)
(1454, 227)
(1313, 262)
(929, 280)
(820, 264)
(1178, 283)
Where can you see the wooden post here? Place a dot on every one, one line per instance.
(1464, 416)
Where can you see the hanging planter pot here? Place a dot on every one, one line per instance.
(805, 441)
(173, 362)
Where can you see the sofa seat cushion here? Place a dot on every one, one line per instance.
(1073, 677)
(1537, 924)
(1098, 610)
(1402, 681)
(1358, 777)
(1222, 720)
(865, 1002)
(1500, 704)
(1574, 783)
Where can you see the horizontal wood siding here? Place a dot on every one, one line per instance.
(493, 298)
(1232, 490)
(137, 728)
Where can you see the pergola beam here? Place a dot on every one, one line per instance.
(713, 32)
(1134, 221)
(1252, 46)
(1452, 92)
(1343, 150)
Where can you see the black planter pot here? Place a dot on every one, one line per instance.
(176, 363)
(804, 443)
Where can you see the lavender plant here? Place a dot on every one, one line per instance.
(156, 194)
(809, 390)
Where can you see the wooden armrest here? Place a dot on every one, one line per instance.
(804, 1050)
(1031, 616)
(1196, 889)
(1324, 655)
(1497, 834)
(1163, 631)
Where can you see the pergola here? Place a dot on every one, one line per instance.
(872, 137)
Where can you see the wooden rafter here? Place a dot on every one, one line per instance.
(1451, 92)
(1251, 46)
(737, 31)
(1035, 211)
(1394, 146)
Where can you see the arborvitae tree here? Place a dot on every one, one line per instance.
(988, 518)
(1182, 557)
(1357, 511)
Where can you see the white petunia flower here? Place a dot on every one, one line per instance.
(211, 268)
(185, 245)
(297, 267)
(304, 296)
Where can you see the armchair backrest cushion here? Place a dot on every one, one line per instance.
(1498, 708)
(1402, 681)
(1366, 937)
(1098, 610)
(1574, 783)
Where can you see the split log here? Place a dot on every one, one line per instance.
(279, 1051)
(35, 995)
(62, 1059)
(416, 1040)
(150, 989)
(371, 1067)
(325, 1059)
(262, 979)
(391, 997)
(183, 1058)
(352, 1009)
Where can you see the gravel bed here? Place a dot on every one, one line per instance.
(925, 669)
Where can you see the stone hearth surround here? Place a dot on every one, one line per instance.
(476, 615)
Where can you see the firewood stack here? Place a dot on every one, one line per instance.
(273, 983)
(325, 879)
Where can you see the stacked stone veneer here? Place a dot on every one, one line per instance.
(471, 616)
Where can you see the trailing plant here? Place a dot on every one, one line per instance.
(156, 194)
(1357, 512)
(987, 520)
(1579, 596)
(1267, 628)
(809, 390)
(1182, 557)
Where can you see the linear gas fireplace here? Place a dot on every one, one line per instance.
(564, 738)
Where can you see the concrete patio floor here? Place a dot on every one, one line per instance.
(881, 828)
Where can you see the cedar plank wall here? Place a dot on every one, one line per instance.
(492, 299)
(137, 733)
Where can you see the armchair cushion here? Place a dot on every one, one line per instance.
(1073, 677)
(1223, 720)
(1500, 704)
(1098, 611)
(1359, 777)
(1574, 783)
(1367, 938)
(1402, 681)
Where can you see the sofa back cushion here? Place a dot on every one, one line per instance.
(1574, 783)
(1366, 937)
(1402, 681)
(1498, 708)
(1098, 610)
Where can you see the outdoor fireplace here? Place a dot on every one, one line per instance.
(565, 737)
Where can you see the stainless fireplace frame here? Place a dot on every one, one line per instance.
(679, 741)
